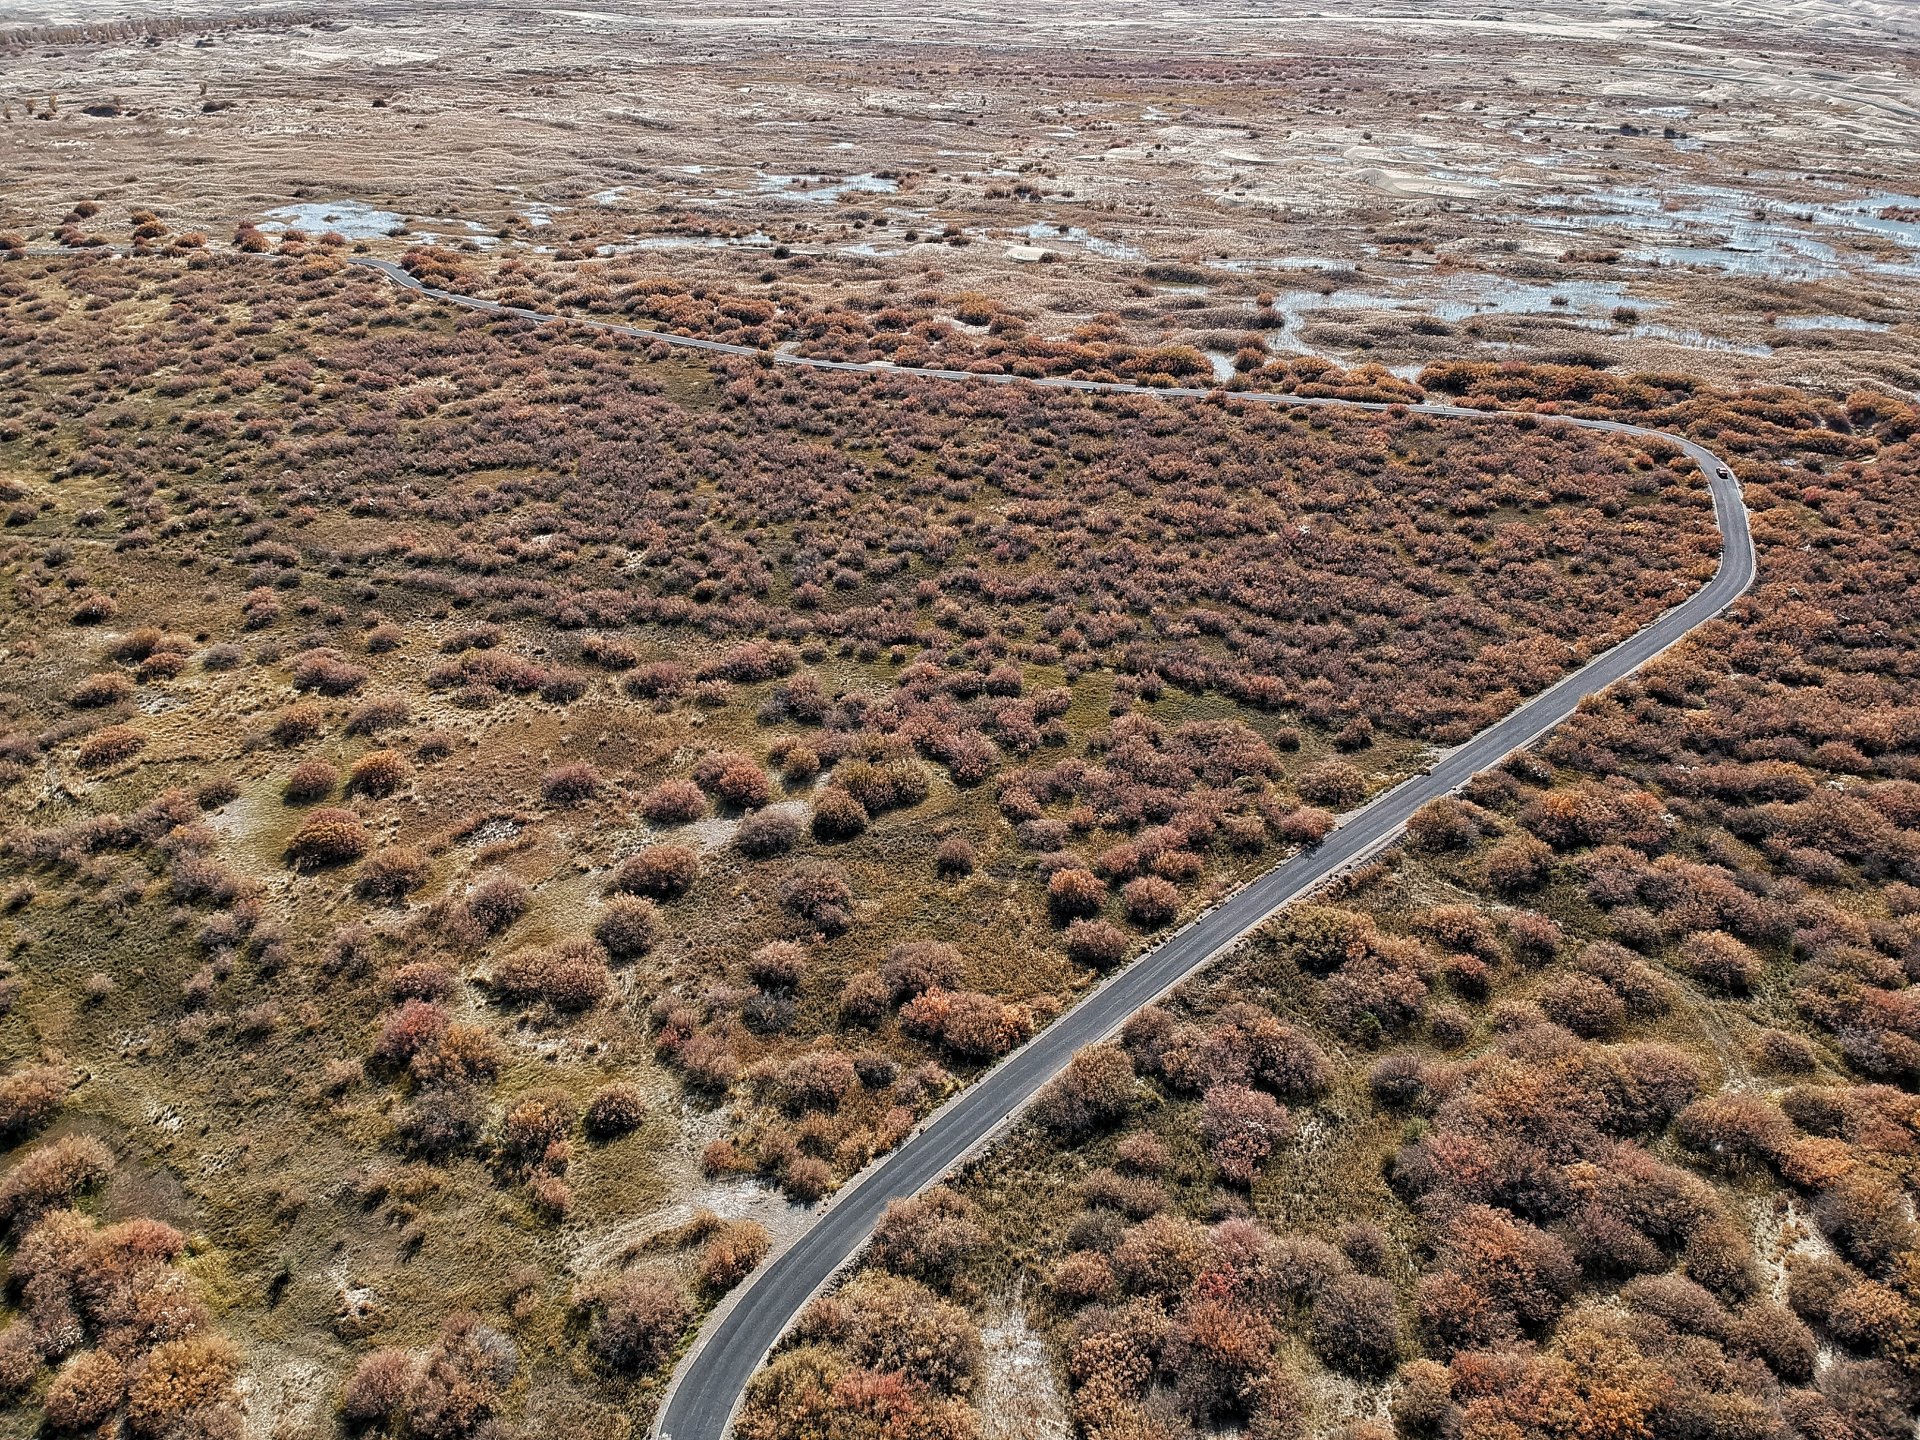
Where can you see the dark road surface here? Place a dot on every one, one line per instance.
(708, 1386)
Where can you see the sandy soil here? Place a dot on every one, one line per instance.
(1721, 190)
(1019, 1395)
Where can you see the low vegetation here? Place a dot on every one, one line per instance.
(1588, 1110)
(472, 789)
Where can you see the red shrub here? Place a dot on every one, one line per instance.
(1444, 824)
(416, 1026)
(914, 967)
(805, 1179)
(327, 671)
(777, 965)
(661, 871)
(820, 896)
(818, 1080)
(309, 781)
(1719, 961)
(743, 785)
(570, 784)
(766, 833)
(1097, 1088)
(391, 873)
(109, 688)
(928, 1236)
(111, 746)
(1095, 943)
(627, 926)
(1520, 864)
(734, 778)
(617, 1109)
(673, 802)
(973, 1026)
(496, 901)
(659, 680)
(1242, 1127)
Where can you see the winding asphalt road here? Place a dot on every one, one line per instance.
(707, 1388)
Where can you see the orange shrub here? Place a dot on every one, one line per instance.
(182, 1379)
(29, 1098)
(328, 837)
(379, 773)
(110, 746)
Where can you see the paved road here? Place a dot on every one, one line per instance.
(707, 1388)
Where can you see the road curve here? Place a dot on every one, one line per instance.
(707, 1388)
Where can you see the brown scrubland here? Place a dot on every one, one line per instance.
(1586, 1111)
(490, 808)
